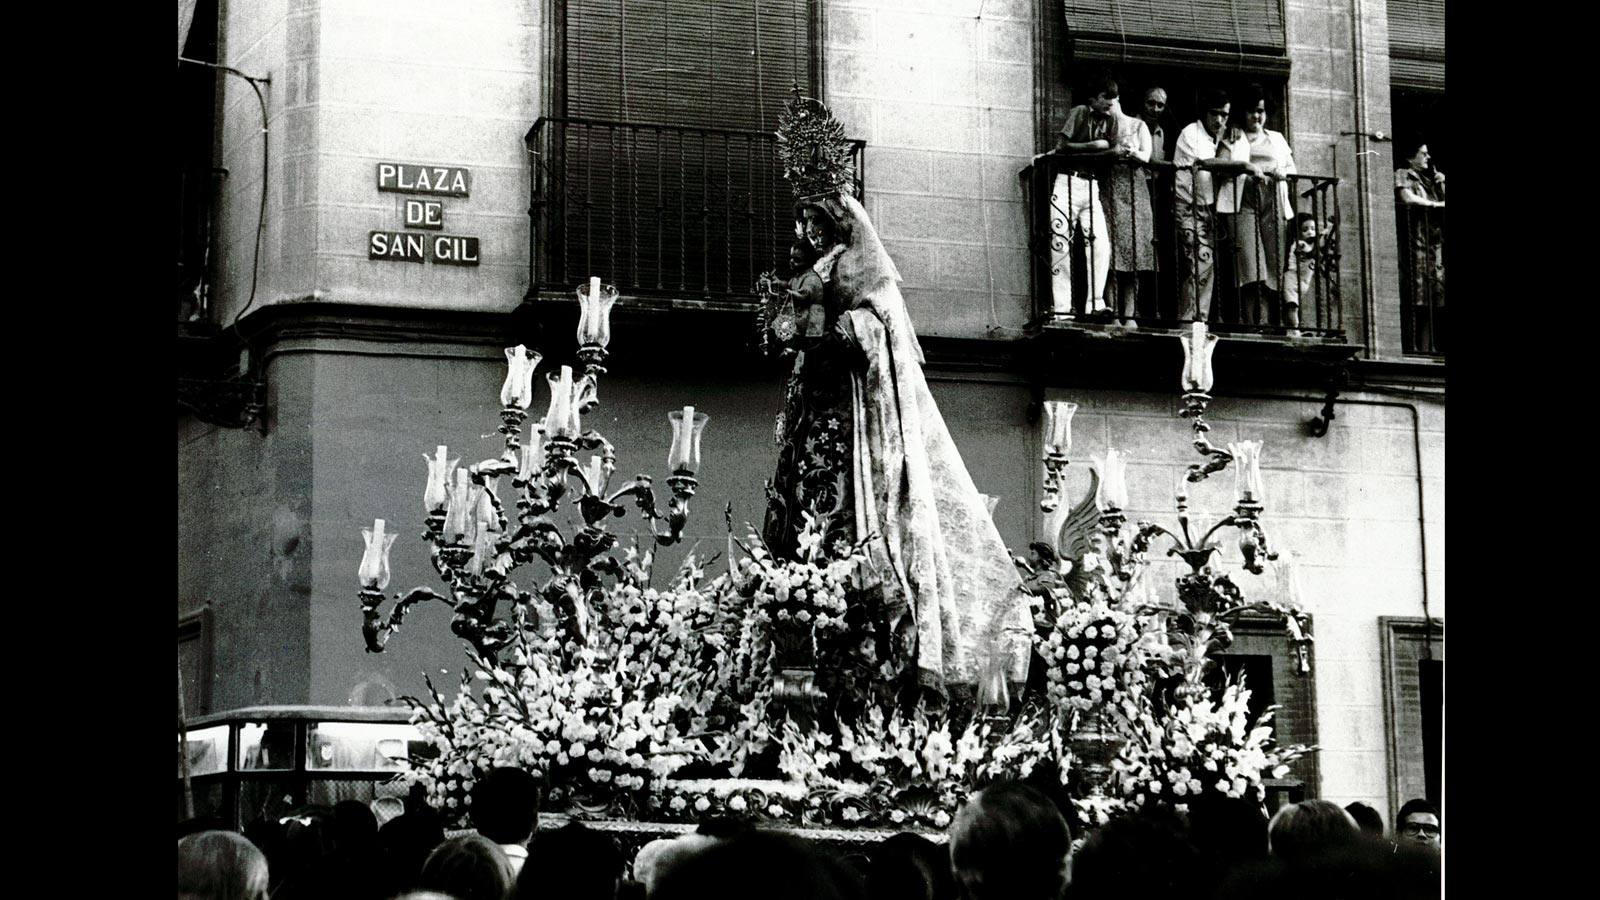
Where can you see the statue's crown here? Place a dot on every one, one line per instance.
(816, 156)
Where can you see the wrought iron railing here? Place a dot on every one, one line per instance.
(663, 210)
(1422, 278)
(1125, 242)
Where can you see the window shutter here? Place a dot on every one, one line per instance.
(710, 64)
(1207, 33)
(1416, 44)
(698, 208)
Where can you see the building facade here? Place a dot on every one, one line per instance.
(433, 179)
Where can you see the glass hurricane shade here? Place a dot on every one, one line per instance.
(594, 312)
(994, 665)
(460, 521)
(374, 570)
(595, 474)
(561, 419)
(437, 493)
(532, 460)
(484, 512)
(1198, 345)
(517, 392)
(482, 552)
(687, 426)
(1113, 479)
(1058, 427)
(1247, 470)
(1288, 567)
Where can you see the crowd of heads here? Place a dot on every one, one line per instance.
(1010, 841)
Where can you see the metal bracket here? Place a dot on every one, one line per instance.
(236, 403)
(1337, 381)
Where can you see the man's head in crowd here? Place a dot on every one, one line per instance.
(759, 864)
(1214, 109)
(505, 805)
(1367, 819)
(1009, 841)
(910, 867)
(1102, 93)
(1418, 822)
(1145, 854)
(471, 867)
(1155, 106)
(1302, 831)
(220, 865)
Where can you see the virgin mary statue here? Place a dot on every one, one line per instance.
(865, 450)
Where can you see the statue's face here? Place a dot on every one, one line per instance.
(818, 231)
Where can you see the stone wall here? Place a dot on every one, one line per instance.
(355, 84)
(944, 98)
(245, 547)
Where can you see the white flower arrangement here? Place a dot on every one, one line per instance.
(1199, 747)
(1091, 656)
(603, 720)
(810, 591)
(900, 769)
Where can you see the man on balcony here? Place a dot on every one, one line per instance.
(1155, 104)
(1205, 147)
(1075, 201)
(1165, 286)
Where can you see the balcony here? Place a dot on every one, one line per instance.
(1151, 295)
(673, 214)
(1421, 278)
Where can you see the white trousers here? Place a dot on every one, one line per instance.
(1075, 204)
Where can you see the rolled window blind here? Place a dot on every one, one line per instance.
(1243, 27)
(708, 64)
(1416, 44)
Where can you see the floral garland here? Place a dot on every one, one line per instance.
(691, 801)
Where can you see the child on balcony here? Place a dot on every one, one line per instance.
(1300, 272)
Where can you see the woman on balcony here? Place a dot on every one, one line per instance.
(1262, 210)
(1420, 190)
(1100, 129)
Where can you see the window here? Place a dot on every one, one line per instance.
(194, 662)
(1416, 77)
(1430, 675)
(1182, 46)
(197, 102)
(659, 173)
(1413, 690)
(1156, 269)
(1271, 669)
